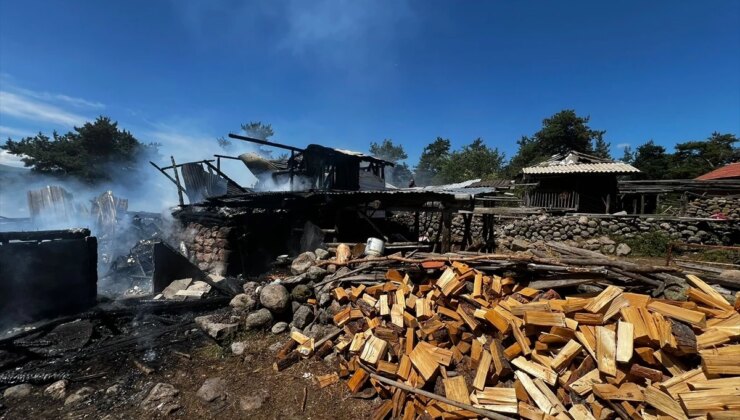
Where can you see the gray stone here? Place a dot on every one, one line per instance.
(324, 299)
(316, 273)
(113, 389)
(238, 347)
(279, 327)
(243, 302)
(170, 291)
(583, 220)
(301, 293)
(57, 390)
(294, 306)
(275, 347)
(623, 249)
(604, 240)
(18, 391)
(253, 402)
(608, 249)
(212, 389)
(161, 399)
(303, 316)
(520, 245)
(321, 253)
(79, 395)
(275, 297)
(302, 263)
(216, 329)
(250, 288)
(258, 319)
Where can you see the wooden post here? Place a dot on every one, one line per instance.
(642, 203)
(467, 240)
(416, 226)
(446, 245)
(177, 180)
(608, 202)
(290, 165)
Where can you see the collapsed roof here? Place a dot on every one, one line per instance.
(577, 162)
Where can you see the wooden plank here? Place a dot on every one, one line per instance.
(542, 402)
(602, 299)
(456, 390)
(566, 355)
(536, 370)
(625, 341)
(606, 348)
(584, 385)
(481, 374)
(544, 319)
(664, 403)
(695, 318)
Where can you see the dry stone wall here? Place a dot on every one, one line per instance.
(208, 247)
(706, 207)
(594, 233)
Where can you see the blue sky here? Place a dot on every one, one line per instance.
(345, 73)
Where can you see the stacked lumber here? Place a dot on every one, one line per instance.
(454, 342)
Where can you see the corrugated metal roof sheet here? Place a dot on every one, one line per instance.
(728, 171)
(614, 167)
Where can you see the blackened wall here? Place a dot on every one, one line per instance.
(47, 279)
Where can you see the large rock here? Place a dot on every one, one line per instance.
(258, 319)
(161, 399)
(302, 263)
(170, 291)
(302, 317)
(80, 395)
(321, 254)
(623, 249)
(238, 347)
(301, 293)
(217, 329)
(57, 390)
(275, 297)
(316, 273)
(18, 391)
(520, 245)
(212, 389)
(279, 327)
(243, 302)
(250, 288)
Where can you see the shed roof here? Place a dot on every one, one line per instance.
(576, 162)
(731, 170)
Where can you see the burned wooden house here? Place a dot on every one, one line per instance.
(574, 182)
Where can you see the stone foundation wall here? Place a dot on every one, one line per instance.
(595, 233)
(209, 247)
(706, 207)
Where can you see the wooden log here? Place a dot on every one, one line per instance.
(606, 349)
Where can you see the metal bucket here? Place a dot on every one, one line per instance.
(374, 247)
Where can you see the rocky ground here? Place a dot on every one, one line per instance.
(213, 382)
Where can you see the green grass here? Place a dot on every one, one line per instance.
(648, 244)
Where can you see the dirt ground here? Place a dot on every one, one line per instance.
(248, 375)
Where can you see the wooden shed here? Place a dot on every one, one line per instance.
(574, 182)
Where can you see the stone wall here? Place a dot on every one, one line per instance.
(209, 247)
(595, 233)
(706, 207)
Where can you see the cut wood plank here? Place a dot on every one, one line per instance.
(585, 384)
(664, 403)
(709, 290)
(545, 319)
(542, 402)
(456, 390)
(536, 370)
(606, 348)
(698, 403)
(326, 380)
(358, 380)
(695, 318)
(424, 362)
(625, 341)
(481, 374)
(580, 412)
(501, 364)
(566, 355)
(602, 300)
(626, 392)
(501, 400)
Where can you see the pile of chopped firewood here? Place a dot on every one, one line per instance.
(450, 341)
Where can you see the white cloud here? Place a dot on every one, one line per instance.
(10, 160)
(58, 97)
(28, 108)
(623, 145)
